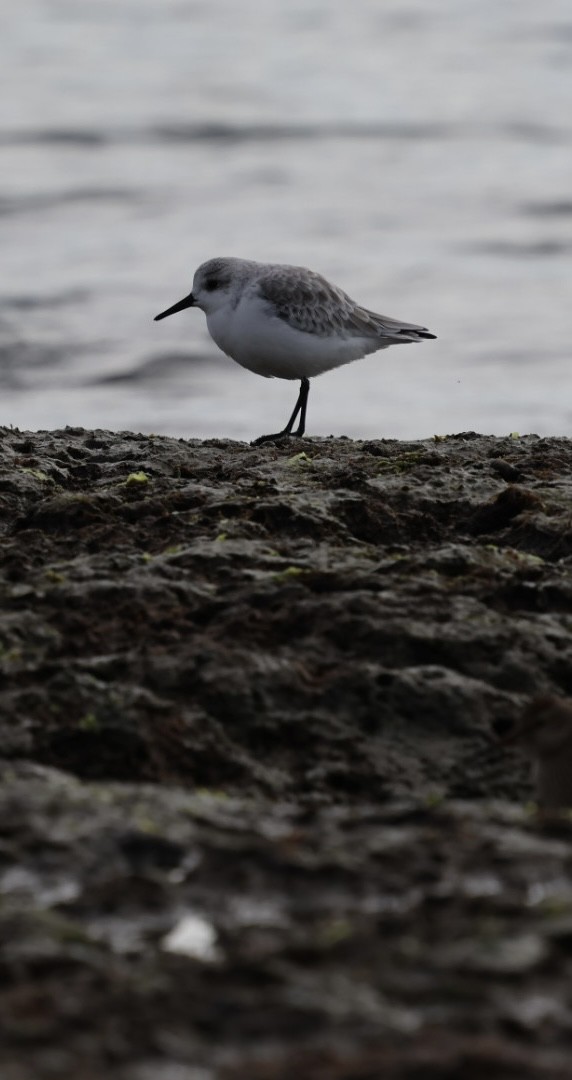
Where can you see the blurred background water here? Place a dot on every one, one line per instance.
(417, 152)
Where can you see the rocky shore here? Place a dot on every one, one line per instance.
(254, 820)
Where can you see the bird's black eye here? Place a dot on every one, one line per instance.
(211, 284)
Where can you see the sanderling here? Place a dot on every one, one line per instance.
(544, 730)
(286, 322)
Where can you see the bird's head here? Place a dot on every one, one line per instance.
(214, 284)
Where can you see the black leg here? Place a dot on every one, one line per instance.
(300, 407)
(302, 404)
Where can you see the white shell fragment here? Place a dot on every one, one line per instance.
(193, 936)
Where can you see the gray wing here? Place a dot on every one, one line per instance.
(309, 303)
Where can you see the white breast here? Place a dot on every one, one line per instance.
(268, 346)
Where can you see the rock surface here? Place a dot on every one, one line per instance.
(254, 823)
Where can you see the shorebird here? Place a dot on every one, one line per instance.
(286, 322)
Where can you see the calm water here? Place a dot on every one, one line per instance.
(419, 154)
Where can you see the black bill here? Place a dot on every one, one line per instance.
(187, 301)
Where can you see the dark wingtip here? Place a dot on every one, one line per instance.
(414, 333)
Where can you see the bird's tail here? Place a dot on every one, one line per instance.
(395, 330)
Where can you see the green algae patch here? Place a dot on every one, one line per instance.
(135, 478)
(290, 572)
(38, 474)
(89, 722)
(55, 577)
(300, 459)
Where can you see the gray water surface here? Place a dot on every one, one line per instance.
(419, 155)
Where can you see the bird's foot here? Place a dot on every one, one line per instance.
(279, 437)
